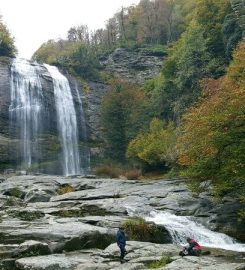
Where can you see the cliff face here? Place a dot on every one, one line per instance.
(134, 66)
(46, 147)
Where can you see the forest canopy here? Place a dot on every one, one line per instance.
(190, 117)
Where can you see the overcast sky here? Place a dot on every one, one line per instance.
(33, 22)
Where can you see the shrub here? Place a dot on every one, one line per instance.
(108, 171)
(138, 229)
(133, 174)
(16, 192)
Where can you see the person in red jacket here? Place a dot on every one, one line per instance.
(194, 249)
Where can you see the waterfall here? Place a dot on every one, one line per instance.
(25, 108)
(67, 122)
(181, 227)
(85, 153)
(31, 123)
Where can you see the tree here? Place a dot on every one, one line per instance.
(212, 144)
(124, 113)
(202, 51)
(232, 33)
(7, 47)
(79, 34)
(83, 62)
(157, 146)
(210, 16)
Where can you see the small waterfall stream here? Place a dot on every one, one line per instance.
(67, 121)
(26, 108)
(85, 151)
(181, 227)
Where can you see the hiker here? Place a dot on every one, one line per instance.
(121, 242)
(194, 249)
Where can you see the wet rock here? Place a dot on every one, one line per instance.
(33, 248)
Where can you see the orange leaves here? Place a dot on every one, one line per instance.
(213, 132)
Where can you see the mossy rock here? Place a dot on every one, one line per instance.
(63, 189)
(159, 263)
(83, 211)
(27, 215)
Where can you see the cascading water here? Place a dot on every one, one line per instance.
(67, 121)
(181, 227)
(85, 153)
(25, 108)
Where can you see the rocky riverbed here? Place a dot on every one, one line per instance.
(54, 223)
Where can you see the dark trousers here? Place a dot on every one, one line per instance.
(123, 251)
(191, 252)
(194, 252)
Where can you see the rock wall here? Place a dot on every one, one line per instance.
(134, 66)
(49, 148)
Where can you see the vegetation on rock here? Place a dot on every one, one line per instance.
(136, 228)
(160, 263)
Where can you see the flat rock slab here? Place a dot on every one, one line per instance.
(138, 256)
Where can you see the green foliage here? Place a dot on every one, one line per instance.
(212, 145)
(156, 146)
(16, 192)
(232, 33)
(124, 113)
(151, 23)
(83, 62)
(138, 229)
(202, 51)
(79, 59)
(159, 263)
(55, 52)
(7, 47)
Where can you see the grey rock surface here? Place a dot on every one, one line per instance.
(77, 229)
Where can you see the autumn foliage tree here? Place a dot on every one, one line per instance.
(157, 146)
(212, 145)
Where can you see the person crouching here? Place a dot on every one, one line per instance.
(194, 249)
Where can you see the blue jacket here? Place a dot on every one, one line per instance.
(121, 238)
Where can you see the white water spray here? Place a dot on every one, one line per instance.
(67, 121)
(85, 153)
(25, 107)
(181, 227)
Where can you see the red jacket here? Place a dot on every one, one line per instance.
(195, 245)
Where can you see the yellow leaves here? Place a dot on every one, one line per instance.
(213, 130)
(156, 146)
